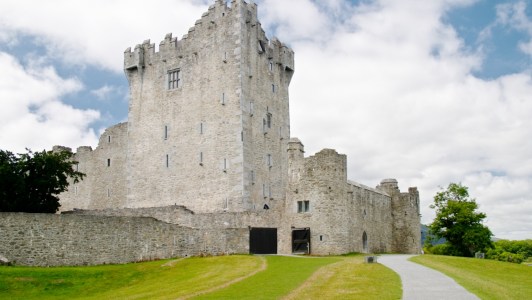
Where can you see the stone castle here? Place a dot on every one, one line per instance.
(207, 146)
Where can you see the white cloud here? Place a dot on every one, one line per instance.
(386, 82)
(104, 92)
(97, 32)
(514, 15)
(393, 88)
(32, 115)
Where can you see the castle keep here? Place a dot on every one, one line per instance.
(207, 146)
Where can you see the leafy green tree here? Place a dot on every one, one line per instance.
(31, 182)
(459, 223)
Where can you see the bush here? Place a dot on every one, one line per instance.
(511, 251)
(441, 249)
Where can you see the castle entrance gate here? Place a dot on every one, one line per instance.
(301, 241)
(263, 241)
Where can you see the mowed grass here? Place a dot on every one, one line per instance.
(149, 280)
(283, 274)
(223, 277)
(488, 279)
(351, 278)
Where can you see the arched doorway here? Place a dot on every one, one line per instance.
(365, 242)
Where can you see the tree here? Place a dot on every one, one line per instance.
(30, 182)
(459, 223)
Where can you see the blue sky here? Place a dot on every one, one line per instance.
(428, 92)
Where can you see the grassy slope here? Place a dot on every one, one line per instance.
(224, 277)
(283, 275)
(351, 279)
(150, 280)
(488, 279)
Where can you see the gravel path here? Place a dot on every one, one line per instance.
(421, 283)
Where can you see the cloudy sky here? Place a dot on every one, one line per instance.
(427, 92)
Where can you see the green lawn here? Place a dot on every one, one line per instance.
(351, 278)
(486, 278)
(149, 280)
(223, 277)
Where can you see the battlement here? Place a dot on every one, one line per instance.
(61, 149)
(219, 14)
(365, 187)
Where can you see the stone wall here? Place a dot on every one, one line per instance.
(345, 216)
(57, 240)
(340, 212)
(104, 185)
(406, 228)
(271, 218)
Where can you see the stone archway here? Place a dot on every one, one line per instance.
(364, 242)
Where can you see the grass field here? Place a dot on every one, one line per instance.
(488, 279)
(223, 277)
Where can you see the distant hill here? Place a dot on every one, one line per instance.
(425, 233)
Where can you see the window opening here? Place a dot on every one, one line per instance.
(173, 79)
(167, 161)
(165, 132)
(222, 100)
(269, 120)
(273, 88)
(201, 158)
(269, 160)
(303, 206)
(109, 139)
(270, 65)
(108, 162)
(364, 242)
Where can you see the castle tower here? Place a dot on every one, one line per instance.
(208, 115)
(406, 230)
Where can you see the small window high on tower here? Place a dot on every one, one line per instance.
(174, 77)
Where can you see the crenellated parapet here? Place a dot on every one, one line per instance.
(219, 14)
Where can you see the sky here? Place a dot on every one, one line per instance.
(427, 92)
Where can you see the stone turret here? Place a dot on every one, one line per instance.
(406, 218)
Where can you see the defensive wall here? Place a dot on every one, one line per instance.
(63, 240)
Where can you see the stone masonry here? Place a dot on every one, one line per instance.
(58, 240)
(207, 146)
